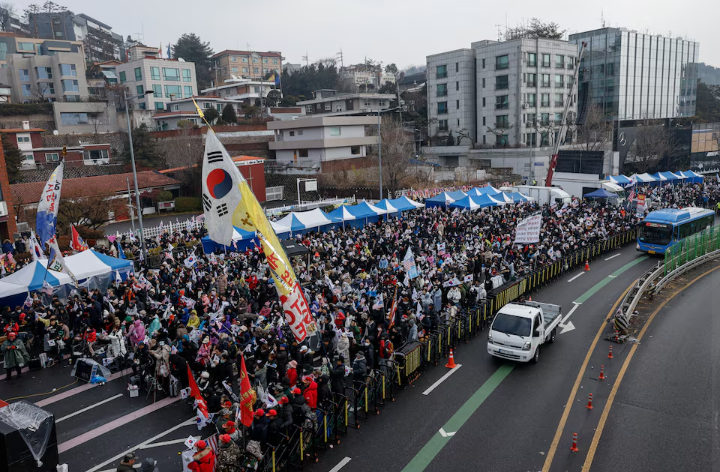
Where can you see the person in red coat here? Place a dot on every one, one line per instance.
(203, 459)
(310, 391)
(292, 372)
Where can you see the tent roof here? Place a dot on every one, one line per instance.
(600, 193)
(293, 248)
(88, 264)
(405, 201)
(341, 213)
(486, 200)
(517, 197)
(645, 177)
(457, 194)
(364, 210)
(30, 278)
(441, 198)
(465, 203)
(618, 179)
(386, 205)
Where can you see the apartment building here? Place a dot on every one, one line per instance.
(310, 141)
(332, 103)
(501, 94)
(246, 90)
(58, 77)
(633, 76)
(184, 110)
(231, 64)
(168, 79)
(10, 44)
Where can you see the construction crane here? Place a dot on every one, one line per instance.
(563, 124)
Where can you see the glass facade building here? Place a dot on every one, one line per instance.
(634, 76)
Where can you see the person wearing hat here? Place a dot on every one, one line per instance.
(258, 430)
(148, 465)
(286, 411)
(228, 455)
(298, 403)
(203, 459)
(230, 429)
(310, 391)
(127, 463)
(291, 373)
(274, 434)
(15, 354)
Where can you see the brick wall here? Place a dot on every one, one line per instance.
(41, 175)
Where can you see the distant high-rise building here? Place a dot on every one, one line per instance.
(634, 76)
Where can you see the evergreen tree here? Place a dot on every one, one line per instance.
(13, 159)
(191, 48)
(145, 147)
(211, 114)
(228, 114)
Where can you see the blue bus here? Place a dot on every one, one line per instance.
(663, 228)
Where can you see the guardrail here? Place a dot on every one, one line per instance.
(690, 248)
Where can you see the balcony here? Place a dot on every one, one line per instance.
(502, 106)
(545, 84)
(441, 75)
(502, 66)
(559, 104)
(532, 84)
(504, 86)
(442, 93)
(545, 105)
(532, 64)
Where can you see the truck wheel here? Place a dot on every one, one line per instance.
(536, 357)
(552, 336)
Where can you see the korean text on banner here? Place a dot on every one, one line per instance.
(640, 209)
(528, 231)
(48, 206)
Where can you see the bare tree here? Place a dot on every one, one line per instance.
(652, 142)
(30, 14)
(397, 148)
(595, 132)
(40, 91)
(535, 29)
(500, 131)
(464, 134)
(7, 10)
(183, 151)
(96, 116)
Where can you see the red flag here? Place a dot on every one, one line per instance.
(77, 242)
(194, 390)
(247, 396)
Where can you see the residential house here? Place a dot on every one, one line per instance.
(184, 110)
(332, 103)
(231, 64)
(247, 90)
(11, 43)
(309, 141)
(85, 117)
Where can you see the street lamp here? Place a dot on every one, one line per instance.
(132, 160)
(380, 145)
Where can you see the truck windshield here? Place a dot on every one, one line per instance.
(509, 324)
(654, 233)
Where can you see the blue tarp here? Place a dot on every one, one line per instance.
(441, 199)
(486, 190)
(386, 205)
(669, 177)
(600, 193)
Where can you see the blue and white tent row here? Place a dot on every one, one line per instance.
(619, 180)
(668, 177)
(90, 268)
(518, 197)
(691, 176)
(404, 203)
(474, 203)
(644, 178)
(441, 199)
(488, 189)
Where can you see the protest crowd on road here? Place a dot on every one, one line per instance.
(203, 324)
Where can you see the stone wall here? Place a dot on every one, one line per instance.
(46, 122)
(41, 175)
(117, 141)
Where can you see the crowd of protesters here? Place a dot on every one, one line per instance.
(224, 307)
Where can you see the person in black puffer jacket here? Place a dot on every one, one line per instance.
(259, 428)
(297, 404)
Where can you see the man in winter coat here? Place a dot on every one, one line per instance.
(126, 465)
(228, 455)
(286, 412)
(324, 395)
(15, 354)
(148, 465)
(258, 430)
(310, 392)
(359, 368)
(337, 377)
(274, 436)
(203, 459)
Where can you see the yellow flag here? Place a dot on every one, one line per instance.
(202, 115)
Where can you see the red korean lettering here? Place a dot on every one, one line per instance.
(272, 260)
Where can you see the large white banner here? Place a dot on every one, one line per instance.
(528, 230)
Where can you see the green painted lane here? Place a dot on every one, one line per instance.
(433, 447)
(598, 286)
(426, 455)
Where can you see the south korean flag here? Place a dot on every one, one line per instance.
(220, 192)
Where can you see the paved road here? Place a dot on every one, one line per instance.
(665, 414)
(503, 423)
(504, 415)
(148, 222)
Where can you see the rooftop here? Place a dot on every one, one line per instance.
(29, 193)
(347, 96)
(21, 130)
(246, 53)
(175, 113)
(320, 120)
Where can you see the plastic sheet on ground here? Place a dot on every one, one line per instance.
(33, 423)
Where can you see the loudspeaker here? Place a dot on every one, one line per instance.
(14, 451)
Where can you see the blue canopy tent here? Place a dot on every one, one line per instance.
(387, 205)
(667, 177)
(518, 197)
(486, 200)
(645, 179)
(465, 203)
(369, 213)
(457, 194)
(600, 193)
(486, 190)
(692, 177)
(342, 216)
(404, 203)
(619, 180)
(441, 199)
(15, 287)
(242, 240)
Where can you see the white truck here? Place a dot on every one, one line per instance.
(519, 329)
(544, 195)
(576, 187)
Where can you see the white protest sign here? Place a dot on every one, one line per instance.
(528, 231)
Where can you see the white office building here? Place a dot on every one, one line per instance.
(169, 79)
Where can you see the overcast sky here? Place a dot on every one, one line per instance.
(398, 31)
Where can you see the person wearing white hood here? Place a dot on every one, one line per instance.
(343, 345)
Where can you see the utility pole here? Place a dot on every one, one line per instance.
(342, 63)
(130, 205)
(305, 58)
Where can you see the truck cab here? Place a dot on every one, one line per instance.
(519, 329)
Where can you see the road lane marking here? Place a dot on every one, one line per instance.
(441, 380)
(612, 257)
(606, 411)
(445, 434)
(565, 324)
(576, 386)
(581, 273)
(76, 390)
(431, 449)
(600, 285)
(340, 465)
(189, 422)
(112, 425)
(89, 408)
(167, 443)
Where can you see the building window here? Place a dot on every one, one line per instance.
(3, 50)
(23, 139)
(155, 73)
(245, 70)
(335, 131)
(483, 101)
(173, 91)
(256, 70)
(457, 104)
(95, 154)
(532, 59)
(26, 47)
(559, 61)
(545, 100)
(502, 102)
(26, 90)
(157, 90)
(244, 59)
(44, 72)
(70, 86)
(172, 75)
(234, 69)
(442, 90)
(442, 108)
(381, 103)
(308, 108)
(303, 153)
(502, 82)
(502, 62)
(457, 67)
(483, 121)
(70, 119)
(483, 82)
(188, 91)
(46, 88)
(442, 125)
(142, 106)
(501, 121)
(328, 107)
(233, 59)
(139, 90)
(484, 139)
(138, 73)
(52, 157)
(559, 81)
(68, 70)
(355, 150)
(544, 119)
(441, 72)
(177, 107)
(558, 118)
(559, 100)
(123, 79)
(187, 77)
(72, 98)
(300, 132)
(292, 133)
(546, 60)
(457, 85)
(531, 80)
(545, 80)
(265, 61)
(159, 106)
(24, 74)
(501, 139)
(531, 100)
(483, 63)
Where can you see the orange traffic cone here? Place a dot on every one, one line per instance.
(451, 362)
(589, 405)
(574, 447)
(610, 356)
(602, 373)
(587, 265)
(530, 298)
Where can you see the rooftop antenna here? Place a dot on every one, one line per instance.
(340, 55)
(602, 17)
(305, 58)
(499, 33)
